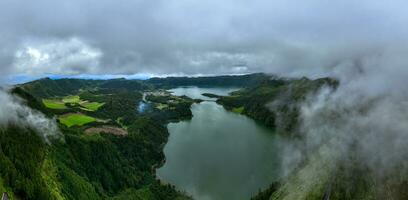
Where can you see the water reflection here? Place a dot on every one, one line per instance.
(218, 154)
(196, 92)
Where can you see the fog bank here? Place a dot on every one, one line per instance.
(14, 111)
(361, 124)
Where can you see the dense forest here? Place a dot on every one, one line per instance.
(275, 102)
(212, 81)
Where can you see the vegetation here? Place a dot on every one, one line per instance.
(75, 119)
(3, 188)
(92, 106)
(170, 108)
(266, 194)
(54, 104)
(49, 88)
(238, 110)
(237, 81)
(71, 99)
(88, 166)
(73, 102)
(210, 95)
(274, 102)
(21, 155)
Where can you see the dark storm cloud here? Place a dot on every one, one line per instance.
(195, 37)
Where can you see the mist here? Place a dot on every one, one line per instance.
(15, 112)
(361, 124)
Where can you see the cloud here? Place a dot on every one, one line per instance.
(13, 111)
(190, 37)
(361, 124)
(57, 57)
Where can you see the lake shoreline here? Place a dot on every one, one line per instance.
(192, 134)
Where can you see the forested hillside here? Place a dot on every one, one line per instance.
(211, 81)
(275, 102)
(107, 149)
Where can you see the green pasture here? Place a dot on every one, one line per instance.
(75, 119)
(92, 106)
(54, 104)
(71, 99)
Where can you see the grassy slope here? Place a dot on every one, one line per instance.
(71, 99)
(92, 106)
(75, 119)
(54, 104)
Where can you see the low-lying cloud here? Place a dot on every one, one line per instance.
(13, 111)
(361, 124)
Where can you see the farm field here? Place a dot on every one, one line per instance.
(71, 99)
(75, 119)
(92, 106)
(54, 104)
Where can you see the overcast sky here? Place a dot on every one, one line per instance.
(191, 37)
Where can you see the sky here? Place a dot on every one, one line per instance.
(188, 37)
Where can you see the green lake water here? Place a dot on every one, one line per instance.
(219, 155)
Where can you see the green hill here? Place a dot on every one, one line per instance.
(81, 165)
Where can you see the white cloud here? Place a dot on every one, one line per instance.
(196, 37)
(13, 111)
(72, 56)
